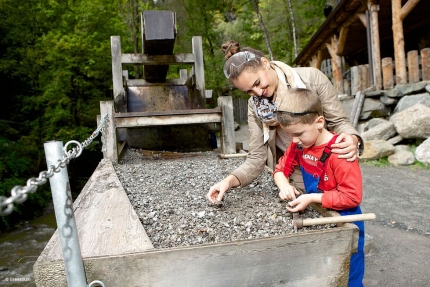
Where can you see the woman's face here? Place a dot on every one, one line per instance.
(259, 82)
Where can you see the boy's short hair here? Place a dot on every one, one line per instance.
(301, 101)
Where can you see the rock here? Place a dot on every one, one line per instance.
(409, 101)
(370, 107)
(376, 149)
(402, 157)
(422, 153)
(403, 90)
(401, 147)
(373, 123)
(383, 131)
(413, 122)
(386, 100)
(395, 140)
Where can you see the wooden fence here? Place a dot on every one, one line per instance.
(418, 69)
(240, 110)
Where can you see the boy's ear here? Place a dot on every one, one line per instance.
(320, 121)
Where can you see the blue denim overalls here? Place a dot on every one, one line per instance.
(311, 178)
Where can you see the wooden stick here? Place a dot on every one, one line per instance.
(338, 219)
(232, 155)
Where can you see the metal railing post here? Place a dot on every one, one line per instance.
(63, 206)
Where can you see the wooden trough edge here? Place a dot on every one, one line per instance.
(116, 250)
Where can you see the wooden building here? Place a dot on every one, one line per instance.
(380, 43)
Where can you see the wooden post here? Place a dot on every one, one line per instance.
(413, 67)
(376, 47)
(109, 132)
(199, 72)
(399, 43)
(336, 65)
(425, 67)
(316, 60)
(364, 73)
(228, 140)
(118, 86)
(355, 80)
(387, 73)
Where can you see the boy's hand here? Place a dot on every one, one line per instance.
(288, 192)
(301, 202)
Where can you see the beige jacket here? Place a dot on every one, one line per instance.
(259, 153)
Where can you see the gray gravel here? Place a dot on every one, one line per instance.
(169, 196)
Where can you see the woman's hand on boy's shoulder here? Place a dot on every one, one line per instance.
(346, 146)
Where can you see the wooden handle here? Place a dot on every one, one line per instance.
(232, 155)
(338, 219)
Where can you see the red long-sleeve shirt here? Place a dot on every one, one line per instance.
(341, 183)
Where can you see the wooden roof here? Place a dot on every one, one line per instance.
(355, 48)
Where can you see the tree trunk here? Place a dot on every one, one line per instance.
(293, 26)
(263, 28)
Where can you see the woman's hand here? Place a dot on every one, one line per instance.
(346, 146)
(216, 192)
(288, 192)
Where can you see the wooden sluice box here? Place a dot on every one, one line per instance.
(117, 250)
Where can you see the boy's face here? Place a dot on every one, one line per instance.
(305, 135)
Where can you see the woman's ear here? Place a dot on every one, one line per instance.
(265, 62)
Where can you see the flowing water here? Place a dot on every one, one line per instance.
(20, 248)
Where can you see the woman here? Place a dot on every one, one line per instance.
(267, 82)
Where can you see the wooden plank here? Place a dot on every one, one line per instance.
(228, 140)
(199, 72)
(107, 226)
(216, 110)
(109, 136)
(168, 82)
(387, 73)
(118, 88)
(167, 120)
(413, 67)
(399, 43)
(342, 39)
(259, 262)
(376, 51)
(407, 8)
(355, 80)
(425, 63)
(364, 73)
(184, 58)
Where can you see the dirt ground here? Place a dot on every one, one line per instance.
(399, 239)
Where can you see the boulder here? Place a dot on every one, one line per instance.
(422, 153)
(402, 157)
(413, 122)
(409, 101)
(383, 131)
(376, 149)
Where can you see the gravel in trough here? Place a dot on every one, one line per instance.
(169, 196)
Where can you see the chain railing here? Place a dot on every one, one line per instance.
(19, 193)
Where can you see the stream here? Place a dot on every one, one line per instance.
(20, 248)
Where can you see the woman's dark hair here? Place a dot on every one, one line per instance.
(234, 66)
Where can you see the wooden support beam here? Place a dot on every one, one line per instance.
(407, 8)
(168, 82)
(364, 73)
(425, 63)
(316, 60)
(399, 42)
(376, 52)
(413, 67)
(118, 88)
(228, 140)
(336, 65)
(199, 72)
(387, 73)
(342, 39)
(109, 137)
(185, 58)
(362, 18)
(167, 120)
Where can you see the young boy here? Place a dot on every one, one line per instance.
(334, 182)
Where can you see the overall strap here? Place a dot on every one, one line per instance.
(326, 152)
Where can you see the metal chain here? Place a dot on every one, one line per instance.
(19, 193)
